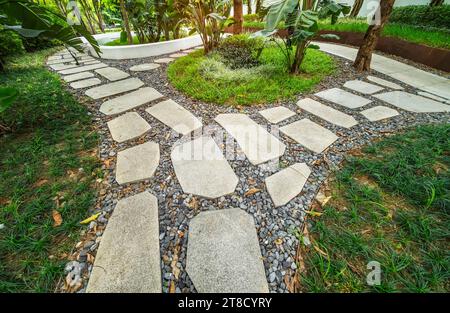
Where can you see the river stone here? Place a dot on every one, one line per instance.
(202, 169)
(144, 67)
(128, 258)
(112, 73)
(137, 163)
(412, 103)
(78, 76)
(85, 83)
(287, 183)
(309, 134)
(343, 98)
(276, 114)
(223, 253)
(129, 101)
(379, 113)
(83, 68)
(327, 113)
(362, 87)
(384, 83)
(114, 88)
(128, 126)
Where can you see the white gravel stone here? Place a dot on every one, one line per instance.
(137, 163)
(309, 134)
(83, 68)
(78, 76)
(286, 184)
(128, 258)
(114, 88)
(276, 114)
(379, 113)
(327, 113)
(163, 60)
(384, 82)
(112, 73)
(223, 254)
(413, 103)
(343, 98)
(128, 126)
(85, 83)
(362, 87)
(144, 67)
(129, 101)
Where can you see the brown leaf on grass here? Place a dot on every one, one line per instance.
(322, 198)
(41, 182)
(252, 191)
(313, 213)
(320, 251)
(57, 218)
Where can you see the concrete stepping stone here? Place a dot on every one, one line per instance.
(60, 67)
(128, 126)
(202, 169)
(85, 83)
(343, 98)
(175, 116)
(163, 60)
(362, 87)
(431, 96)
(223, 253)
(114, 88)
(129, 101)
(412, 103)
(384, 83)
(83, 68)
(276, 114)
(177, 55)
(112, 73)
(379, 113)
(189, 50)
(91, 62)
(144, 67)
(54, 57)
(440, 89)
(287, 183)
(327, 113)
(309, 134)
(256, 142)
(58, 61)
(128, 258)
(137, 163)
(78, 76)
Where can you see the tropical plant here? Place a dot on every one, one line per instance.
(301, 21)
(238, 16)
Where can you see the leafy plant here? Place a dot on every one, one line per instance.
(241, 51)
(422, 15)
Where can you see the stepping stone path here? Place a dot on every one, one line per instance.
(128, 126)
(144, 67)
(60, 67)
(309, 134)
(198, 164)
(84, 68)
(343, 98)
(129, 101)
(128, 258)
(276, 114)
(112, 73)
(431, 96)
(412, 103)
(115, 88)
(384, 83)
(175, 116)
(286, 184)
(177, 55)
(78, 76)
(327, 113)
(258, 145)
(379, 113)
(85, 83)
(137, 163)
(164, 60)
(362, 87)
(223, 254)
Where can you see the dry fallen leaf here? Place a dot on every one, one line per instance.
(278, 241)
(57, 218)
(322, 199)
(172, 287)
(40, 183)
(90, 218)
(252, 191)
(313, 213)
(320, 251)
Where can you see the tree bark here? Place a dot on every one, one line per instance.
(298, 58)
(258, 6)
(356, 8)
(238, 18)
(434, 3)
(249, 6)
(364, 56)
(126, 23)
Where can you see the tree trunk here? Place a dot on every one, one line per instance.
(364, 56)
(258, 6)
(238, 18)
(434, 3)
(356, 8)
(126, 23)
(298, 58)
(249, 6)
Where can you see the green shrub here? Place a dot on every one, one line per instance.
(39, 43)
(241, 51)
(123, 36)
(10, 44)
(251, 17)
(422, 15)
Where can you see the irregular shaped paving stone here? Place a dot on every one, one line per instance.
(412, 103)
(223, 253)
(276, 114)
(384, 83)
(60, 67)
(343, 98)
(78, 76)
(327, 113)
(114, 88)
(362, 87)
(129, 101)
(257, 143)
(175, 116)
(177, 55)
(83, 68)
(287, 183)
(309, 134)
(112, 73)
(85, 83)
(128, 258)
(54, 57)
(137, 163)
(379, 113)
(202, 169)
(163, 60)
(144, 67)
(431, 96)
(441, 89)
(128, 126)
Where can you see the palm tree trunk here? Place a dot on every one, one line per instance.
(298, 58)
(434, 3)
(238, 18)
(356, 8)
(249, 6)
(126, 23)
(364, 56)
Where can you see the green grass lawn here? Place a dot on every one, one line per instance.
(48, 165)
(265, 84)
(116, 42)
(389, 203)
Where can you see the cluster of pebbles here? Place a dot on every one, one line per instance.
(276, 227)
